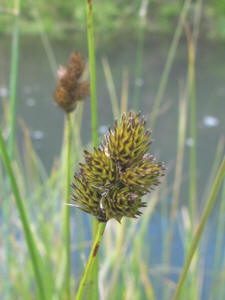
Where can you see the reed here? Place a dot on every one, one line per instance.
(139, 57)
(66, 207)
(91, 261)
(30, 239)
(169, 62)
(14, 74)
(205, 216)
(94, 120)
(13, 82)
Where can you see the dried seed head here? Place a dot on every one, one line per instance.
(115, 177)
(70, 88)
(82, 91)
(64, 99)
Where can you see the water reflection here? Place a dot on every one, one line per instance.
(210, 121)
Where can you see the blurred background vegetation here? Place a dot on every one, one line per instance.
(58, 17)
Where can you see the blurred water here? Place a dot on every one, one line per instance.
(36, 85)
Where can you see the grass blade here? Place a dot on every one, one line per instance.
(14, 75)
(91, 260)
(94, 120)
(169, 62)
(24, 219)
(67, 201)
(205, 216)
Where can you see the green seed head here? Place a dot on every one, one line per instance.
(114, 178)
(129, 141)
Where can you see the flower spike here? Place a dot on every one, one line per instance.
(115, 177)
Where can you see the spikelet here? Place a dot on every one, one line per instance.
(113, 179)
(99, 168)
(129, 141)
(70, 89)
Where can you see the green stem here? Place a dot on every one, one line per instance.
(91, 48)
(14, 75)
(206, 213)
(67, 201)
(193, 132)
(94, 110)
(91, 260)
(169, 62)
(12, 116)
(24, 219)
(139, 59)
(45, 40)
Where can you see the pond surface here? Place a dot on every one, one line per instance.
(45, 119)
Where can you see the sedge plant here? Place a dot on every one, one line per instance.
(94, 115)
(113, 179)
(69, 91)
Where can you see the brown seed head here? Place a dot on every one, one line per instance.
(70, 88)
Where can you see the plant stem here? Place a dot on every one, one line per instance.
(45, 40)
(94, 112)
(169, 62)
(181, 136)
(24, 220)
(91, 260)
(91, 48)
(111, 88)
(193, 133)
(12, 116)
(14, 75)
(140, 50)
(205, 216)
(67, 201)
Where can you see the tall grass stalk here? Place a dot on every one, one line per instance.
(220, 231)
(93, 83)
(205, 216)
(193, 132)
(45, 40)
(14, 74)
(111, 88)
(219, 242)
(140, 50)
(182, 124)
(30, 240)
(94, 119)
(192, 39)
(12, 119)
(91, 261)
(216, 163)
(218, 256)
(192, 46)
(138, 254)
(67, 201)
(169, 62)
(124, 91)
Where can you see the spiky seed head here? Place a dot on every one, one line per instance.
(144, 175)
(99, 168)
(114, 178)
(129, 140)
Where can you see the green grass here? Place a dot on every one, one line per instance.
(94, 122)
(39, 219)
